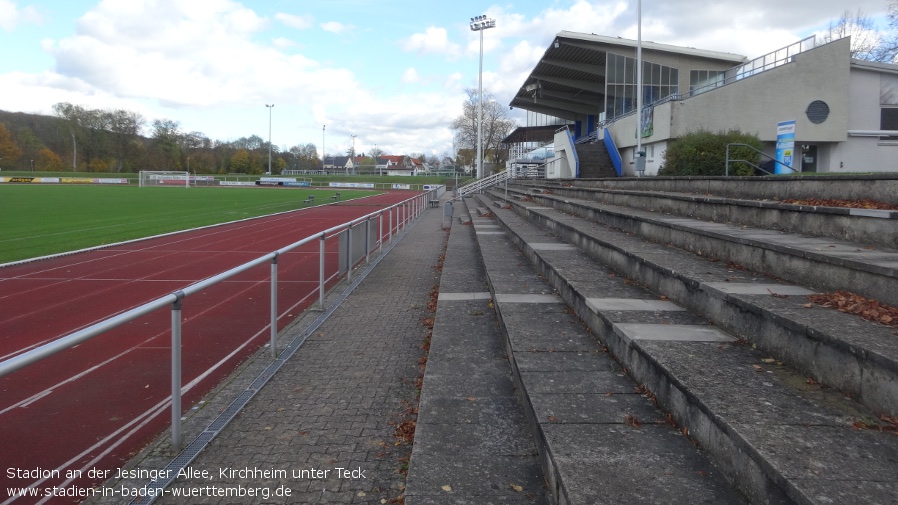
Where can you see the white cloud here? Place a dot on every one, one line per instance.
(434, 40)
(336, 27)
(294, 21)
(11, 15)
(410, 76)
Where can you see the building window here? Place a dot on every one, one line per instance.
(705, 80)
(888, 120)
(658, 83)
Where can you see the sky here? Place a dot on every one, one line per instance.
(389, 74)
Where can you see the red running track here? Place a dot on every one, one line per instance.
(97, 404)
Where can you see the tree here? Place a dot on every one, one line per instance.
(496, 126)
(48, 160)
(125, 127)
(167, 141)
(867, 43)
(9, 150)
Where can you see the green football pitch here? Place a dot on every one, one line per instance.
(37, 220)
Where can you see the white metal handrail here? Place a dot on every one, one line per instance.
(484, 183)
(405, 212)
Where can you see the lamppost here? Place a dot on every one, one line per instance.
(640, 154)
(269, 136)
(479, 24)
(353, 149)
(323, 156)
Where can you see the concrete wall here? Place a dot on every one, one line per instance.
(756, 104)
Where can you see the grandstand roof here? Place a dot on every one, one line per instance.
(569, 80)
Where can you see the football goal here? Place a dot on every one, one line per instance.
(162, 178)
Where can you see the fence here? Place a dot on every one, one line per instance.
(403, 212)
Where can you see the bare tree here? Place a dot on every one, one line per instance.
(867, 42)
(496, 126)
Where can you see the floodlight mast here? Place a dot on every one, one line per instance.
(269, 136)
(479, 24)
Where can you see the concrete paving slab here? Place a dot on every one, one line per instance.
(452, 297)
(613, 380)
(759, 289)
(602, 304)
(553, 246)
(682, 333)
(558, 361)
(443, 478)
(648, 464)
(526, 298)
(596, 408)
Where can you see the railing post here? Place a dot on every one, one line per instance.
(380, 232)
(367, 241)
(176, 371)
(349, 254)
(726, 169)
(321, 272)
(274, 306)
(390, 233)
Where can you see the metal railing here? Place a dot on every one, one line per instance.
(404, 212)
(481, 184)
(774, 160)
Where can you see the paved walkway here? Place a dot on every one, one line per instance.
(329, 426)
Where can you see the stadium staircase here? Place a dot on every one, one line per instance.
(594, 161)
(665, 346)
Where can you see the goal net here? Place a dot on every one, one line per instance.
(162, 178)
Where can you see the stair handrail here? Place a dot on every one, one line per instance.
(614, 153)
(726, 170)
(481, 184)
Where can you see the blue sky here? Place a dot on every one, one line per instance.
(390, 72)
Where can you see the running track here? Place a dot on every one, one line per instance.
(97, 404)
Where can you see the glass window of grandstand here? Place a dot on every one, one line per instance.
(658, 83)
(537, 119)
(888, 120)
(704, 80)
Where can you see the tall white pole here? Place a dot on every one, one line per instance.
(480, 113)
(639, 84)
(480, 23)
(323, 156)
(269, 136)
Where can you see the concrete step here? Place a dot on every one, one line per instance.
(776, 436)
(601, 439)
(839, 350)
(862, 226)
(472, 441)
(871, 272)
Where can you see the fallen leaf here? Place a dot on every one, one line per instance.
(516, 487)
(447, 488)
(768, 360)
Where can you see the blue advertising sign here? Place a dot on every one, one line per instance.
(785, 146)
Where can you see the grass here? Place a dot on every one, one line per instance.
(38, 220)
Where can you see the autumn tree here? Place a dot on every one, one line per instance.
(9, 150)
(48, 160)
(496, 126)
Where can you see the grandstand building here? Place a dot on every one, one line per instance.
(841, 113)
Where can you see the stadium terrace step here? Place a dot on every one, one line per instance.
(826, 264)
(776, 436)
(472, 442)
(601, 439)
(839, 350)
(862, 226)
